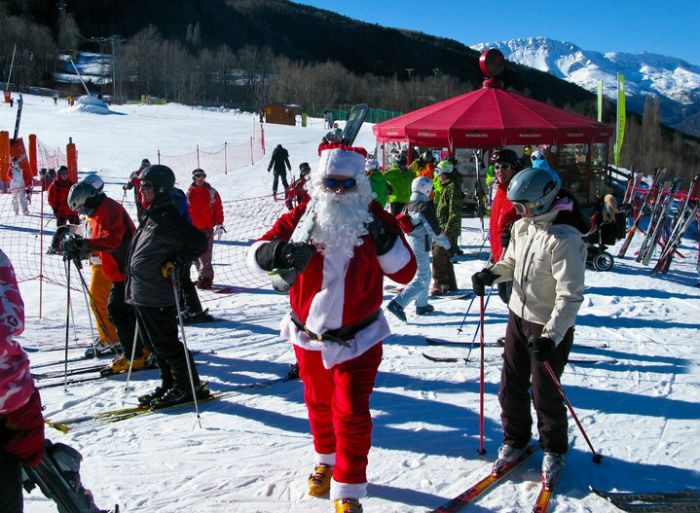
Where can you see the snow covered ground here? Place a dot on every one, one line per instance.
(639, 403)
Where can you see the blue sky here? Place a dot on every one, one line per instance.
(670, 27)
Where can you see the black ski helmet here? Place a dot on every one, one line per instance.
(162, 178)
(84, 197)
(507, 156)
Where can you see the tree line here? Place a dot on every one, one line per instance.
(151, 64)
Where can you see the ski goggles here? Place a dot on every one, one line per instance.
(522, 208)
(335, 184)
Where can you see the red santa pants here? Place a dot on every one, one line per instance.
(338, 403)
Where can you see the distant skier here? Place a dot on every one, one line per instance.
(546, 260)
(58, 198)
(134, 183)
(280, 163)
(297, 192)
(207, 215)
(18, 188)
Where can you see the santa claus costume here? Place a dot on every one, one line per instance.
(342, 244)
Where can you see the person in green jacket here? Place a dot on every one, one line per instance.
(377, 181)
(399, 179)
(449, 214)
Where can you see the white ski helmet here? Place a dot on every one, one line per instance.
(533, 189)
(81, 192)
(444, 166)
(423, 185)
(371, 164)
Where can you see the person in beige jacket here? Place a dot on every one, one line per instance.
(546, 260)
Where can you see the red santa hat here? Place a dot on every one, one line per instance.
(342, 160)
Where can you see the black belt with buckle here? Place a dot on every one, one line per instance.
(337, 336)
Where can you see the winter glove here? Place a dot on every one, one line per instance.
(126, 186)
(505, 239)
(280, 254)
(75, 248)
(481, 279)
(541, 348)
(166, 268)
(55, 212)
(219, 231)
(26, 428)
(383, 239)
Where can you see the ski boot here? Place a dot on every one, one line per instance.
(552, 465)
(147, 399)
(102, 348)
(320, 480)
(426, 309)
(293, 372)
(507, 454)
(396, 309)
(180, 395)
(121, 364)
(197, 317)
(348, 506)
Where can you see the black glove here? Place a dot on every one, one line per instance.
(297, 255)
(383, 239)
(55, 212)
(505, 239)
(481, 279)
(75, 248)
(541, 348)
(280, 254)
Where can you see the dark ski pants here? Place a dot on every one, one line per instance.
(189, 300)
(159, 328)
(122, 316)
(279, 175)
(11, 500)
(522, 372)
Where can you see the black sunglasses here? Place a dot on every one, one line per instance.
(146, 186)
(335, 184)
(200, 175)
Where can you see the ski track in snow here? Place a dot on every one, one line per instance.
(254, 451)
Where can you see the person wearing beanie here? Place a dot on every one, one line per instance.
(58, 198)
(207, 215)
(449, 213)
(377, 181)
(335, 250)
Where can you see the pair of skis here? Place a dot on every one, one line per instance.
(485, 485)
(687, 501)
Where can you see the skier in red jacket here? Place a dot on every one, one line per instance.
(503, 214)
(297, 193)
(341, 244)
(58, 198)
(207, 215)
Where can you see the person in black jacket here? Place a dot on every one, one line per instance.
(163, 241)
(280, 162)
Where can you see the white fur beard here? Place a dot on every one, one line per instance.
(340, 221)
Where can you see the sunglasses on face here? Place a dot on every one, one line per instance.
(146, 186)
(335, 184)
(200, 176)
(502, 166)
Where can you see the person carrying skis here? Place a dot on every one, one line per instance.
(377, 181)
(297, 193)
(449, 214)
(503, 214)
(134, 183)
(111, 232)
(18, 188)
(546, 260)
(207, 215)
(163, 241)
(280, 162)
(399, 179)
(21, 421)
(336, 324)
(425, 230)
(58, 195)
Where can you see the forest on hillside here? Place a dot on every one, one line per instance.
(247, 53)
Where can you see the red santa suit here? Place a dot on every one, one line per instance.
(337, 291)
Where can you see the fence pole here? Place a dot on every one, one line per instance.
(225, 159)
(198, 166)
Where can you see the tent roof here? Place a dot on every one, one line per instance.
(491, 117)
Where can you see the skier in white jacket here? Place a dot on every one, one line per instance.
(18, 189)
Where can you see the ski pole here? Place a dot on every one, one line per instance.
(99, 318)
(469, 307)
(176, 293)
(133, 355)
(596, 457)
(65, 363)
(480, 325)
(78, 266)
(481, 450)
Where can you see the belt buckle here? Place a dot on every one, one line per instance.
(312, 335)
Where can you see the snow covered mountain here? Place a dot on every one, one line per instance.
(674, 81)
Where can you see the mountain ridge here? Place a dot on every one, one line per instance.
(674, 81)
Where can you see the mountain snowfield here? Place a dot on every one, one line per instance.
(674, 81)
(637, 397)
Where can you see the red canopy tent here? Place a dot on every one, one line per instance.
(490, 117)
